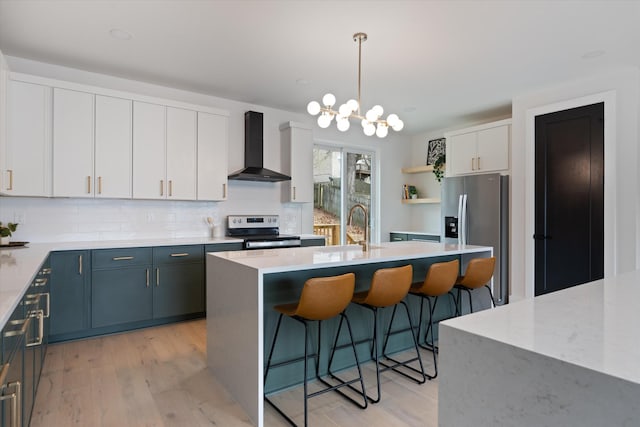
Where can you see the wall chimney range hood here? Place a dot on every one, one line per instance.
(253, 153)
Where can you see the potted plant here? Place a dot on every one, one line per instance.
(438, 167)
(5, 232)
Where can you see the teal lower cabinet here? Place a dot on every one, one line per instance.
(178, 281)
(398, 237)
(70, 287)
(12, 369)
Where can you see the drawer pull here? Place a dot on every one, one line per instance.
(10, 187)
(157, 277)
(80, 265)
(45, 270)
(35, 299)
(40, 282)
(3, 374)
(122, 258)
(147, 277)
(38, 314)
(21, 331)
(180, 254)
(170, 188)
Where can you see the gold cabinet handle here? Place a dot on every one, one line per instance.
(3, 374)
(10, 179)
(473, 164)
(40, 282)
(45, 270)
(180, 254)
(122, 258)
(147, 277)
(224, 191)
(170, 188)
(38, 314)
(15, 397)
(35, 299)
(88, 185)
(478, 163)
(294, 193)
(21, 331)
(162, 187)
(99, 185)
(157, 277)
(80, 264)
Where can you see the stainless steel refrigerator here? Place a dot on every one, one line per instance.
(475, 211)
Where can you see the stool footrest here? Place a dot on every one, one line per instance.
(404, 364)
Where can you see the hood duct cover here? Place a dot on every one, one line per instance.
(253, 153)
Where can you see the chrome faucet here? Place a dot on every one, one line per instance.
(363, 243)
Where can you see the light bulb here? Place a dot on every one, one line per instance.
(344, 110)
(369, 129)
(371, 115)
(343, 125)
(324, 120)
(378, 109)
(329, 100)
(364, 123)
(398, 126)
(392, 119)
(313, 108)
(353, 104)
(382, 130)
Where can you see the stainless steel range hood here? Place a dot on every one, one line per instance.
(253, 153)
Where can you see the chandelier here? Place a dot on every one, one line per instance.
(371, 121)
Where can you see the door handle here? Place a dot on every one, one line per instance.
(99, 185)
(15, 397)
(478, 163)
(472, 164)
(170, 187)
(39, 314)
(80, 265)
(147, 277)
(180, 254)
(10, 172)
(157, 276)
(122, 258)
(88, 185)
(224, 191)
(162, 187)
(294, 193)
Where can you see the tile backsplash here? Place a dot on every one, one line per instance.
(56, 219)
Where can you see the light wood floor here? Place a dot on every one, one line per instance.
(158, 377)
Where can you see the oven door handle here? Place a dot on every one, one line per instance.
(265, 244)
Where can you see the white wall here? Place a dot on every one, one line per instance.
(621, 175)
(71, 219)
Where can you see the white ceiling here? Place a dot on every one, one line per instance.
(434, 63)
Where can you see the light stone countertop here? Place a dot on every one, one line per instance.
(595, 325)
(294, 259)
(20, 265)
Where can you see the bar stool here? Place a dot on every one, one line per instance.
(322, 298)
(439, 281)
(478, 274)
(389, 287)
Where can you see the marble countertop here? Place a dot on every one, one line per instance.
(594, 325)
(293, 259)
(20, 265)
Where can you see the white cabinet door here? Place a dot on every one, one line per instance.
(212, 156)
(461, 156)
(493, 149)
(27, 151)
(73, 127)
(297, 161)
(181, 154)
(149, 146)
(4, 81)
(113, 147)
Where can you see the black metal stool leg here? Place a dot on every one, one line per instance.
(470, 301)
(493, 301)
(273, 345)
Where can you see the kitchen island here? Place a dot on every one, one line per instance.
(569, 358)
(242, 287)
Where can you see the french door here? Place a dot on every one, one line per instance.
(344, 199)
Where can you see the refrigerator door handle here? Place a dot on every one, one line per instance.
(463, 228)
(460, 219)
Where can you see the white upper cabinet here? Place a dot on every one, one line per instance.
(4, 81)
(164, 152)
(113, 147)
(26, 154)
(212, 156)
(480, 149)
(297, 161)
(181, 154)
(73, 114)
(149, 146)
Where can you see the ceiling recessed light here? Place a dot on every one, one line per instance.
(593, 54)
(119, 34)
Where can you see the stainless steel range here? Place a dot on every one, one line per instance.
(260, 232)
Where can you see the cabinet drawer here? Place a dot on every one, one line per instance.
(178, 254)
(222, 247)
(424, 237)
(121, 257)
(397, 237)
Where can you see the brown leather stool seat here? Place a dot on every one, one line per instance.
(389, 287)
(322, 298)
(438, 281)
(477, 275)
